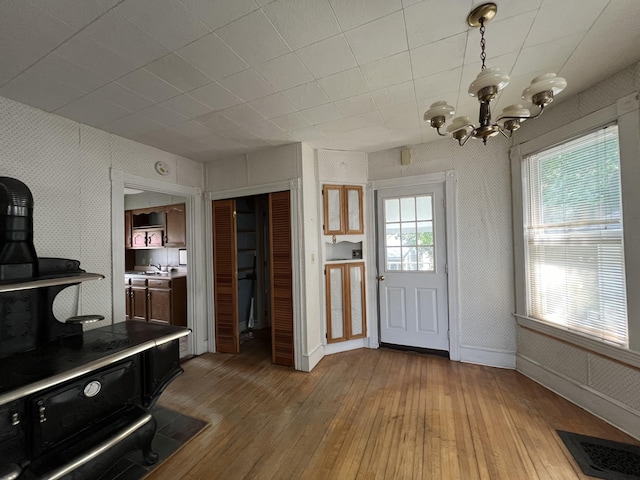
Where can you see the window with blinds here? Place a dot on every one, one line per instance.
(573, 236)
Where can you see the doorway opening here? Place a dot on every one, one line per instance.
(252, 275)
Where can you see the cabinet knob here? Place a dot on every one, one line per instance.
(381, 278)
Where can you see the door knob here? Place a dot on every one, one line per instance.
(381, 278)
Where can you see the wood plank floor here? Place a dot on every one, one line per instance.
(371, 414)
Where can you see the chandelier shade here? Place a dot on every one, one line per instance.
(486, 87)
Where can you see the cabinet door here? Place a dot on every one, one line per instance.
(353, 210)
(139, 303)
(127, 302)
(139, 239)
(175, 230)
(159, 305)
(336, 303)
(356, 296)
(333, 207)
(155, 238)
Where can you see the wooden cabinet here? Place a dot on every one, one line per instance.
(157, 300)
(175, 226)
(342, 209)
(156, 227)
(345, 300)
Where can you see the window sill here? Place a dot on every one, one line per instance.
(614, 352)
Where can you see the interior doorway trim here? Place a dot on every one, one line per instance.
(450, 180)
(293, 186)
(196, 304)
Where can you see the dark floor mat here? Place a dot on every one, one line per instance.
(602, 458)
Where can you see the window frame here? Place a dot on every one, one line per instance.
(625, 114)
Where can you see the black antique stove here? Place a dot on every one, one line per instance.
(71, 401)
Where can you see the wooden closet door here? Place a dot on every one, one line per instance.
(225, 277)
(281, 279)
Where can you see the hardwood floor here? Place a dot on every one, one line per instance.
(371, 414)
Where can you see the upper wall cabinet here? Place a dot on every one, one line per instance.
(156, 227)
(342, 209)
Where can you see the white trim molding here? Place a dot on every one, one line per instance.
(594, 402)
(311, 359)
(488, 356)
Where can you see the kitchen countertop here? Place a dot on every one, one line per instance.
(142, 274)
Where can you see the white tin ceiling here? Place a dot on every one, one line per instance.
(208, 79)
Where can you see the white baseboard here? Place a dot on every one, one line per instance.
(592, 401)
(485, 356)
(331, 348)
(310, 360)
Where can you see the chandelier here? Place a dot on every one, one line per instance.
(489, 82)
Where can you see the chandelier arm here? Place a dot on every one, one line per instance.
(439, 133)
(504, 134)
(541, 106)
(462, 141)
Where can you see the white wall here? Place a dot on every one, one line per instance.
(610, 389)
(487, 329)
(67, 167)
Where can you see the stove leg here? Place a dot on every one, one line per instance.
(145, 439)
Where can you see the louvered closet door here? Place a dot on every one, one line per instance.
(225, 278)
(281, 278)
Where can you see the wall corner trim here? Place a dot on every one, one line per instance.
(310, 360)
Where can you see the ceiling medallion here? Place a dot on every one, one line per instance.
(489, 82)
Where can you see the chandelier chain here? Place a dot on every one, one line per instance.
(483, 55)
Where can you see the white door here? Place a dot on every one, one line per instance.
(412, 279)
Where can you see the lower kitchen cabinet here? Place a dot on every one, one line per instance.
(345, 298)
(157, 300)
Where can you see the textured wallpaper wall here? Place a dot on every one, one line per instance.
(485, 247)
(67, 167)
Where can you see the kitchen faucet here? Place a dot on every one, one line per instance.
(158, 266)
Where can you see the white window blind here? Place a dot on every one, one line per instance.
(573, 236)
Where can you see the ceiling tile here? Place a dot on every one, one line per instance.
(395, 95)
(247, 85)
(328, 56)
(176, 71)
(292, 121)
(557, 19)
(388, 71)
(344, 84)
(63, 71)
(210, 55)
(438, 84)
(438, 56)
(434, 20)
(75, 13)
(217, 13)
(242, 114)
(254, 38)
(186, 105)
(378, 39)
(131, 125)
(92, 110)
(148, 85)
(272, 106)
(85, 52)
(40, 92)
(28, 34)
(309, 133)
(349, 124)
(353, 13)
(192, 129)
(501, 37)
(168, 21)
(305, 96)
(356, 105)
(246, 138)
(320, 114)
(215, 96)
(117, 33)
(284, 72)
(302, 22)
(123, 97)
(216, 122)
(267, 130)
(162, 115)
(543, 55)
